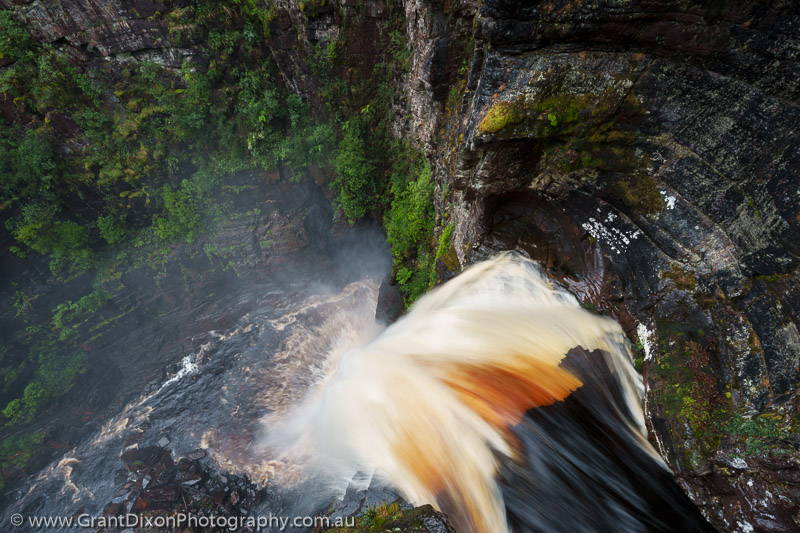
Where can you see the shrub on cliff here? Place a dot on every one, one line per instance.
(409, 222)
(356, 174)
(410, 219)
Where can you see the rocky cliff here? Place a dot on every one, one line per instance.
(646, 152)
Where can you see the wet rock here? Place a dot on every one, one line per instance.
(625, 146)
(140, 503)
(188, 472)
(140, 459)
(112, 509)
(191, 488)
(135, 436)
(153, 462)
(390, 303)
(219, 496)
(168, 493)
(437, 523)
(196, 455)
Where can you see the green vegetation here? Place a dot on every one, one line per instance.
(389, 517)
(759, 435)
(376, 175)
(374, 518)
(113, 165)
(409, 224)
(15, 452)
(356, 174)
(133, 127)
(445, 241)
(638, 356)
(52, 379)
(682, 278)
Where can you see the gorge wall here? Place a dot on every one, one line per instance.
(646, 152)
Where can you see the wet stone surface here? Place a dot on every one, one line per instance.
(153, 484)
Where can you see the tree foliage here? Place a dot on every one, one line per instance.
(356, 174)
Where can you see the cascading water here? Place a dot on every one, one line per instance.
(496, 391)
(497, 398)
(219, 391)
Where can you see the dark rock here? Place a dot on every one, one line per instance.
(646, 154)
(140, 459)
(135, 436)
(140, 503)
(437, 523)
(112, 509)
(196, 455)
(188, 472)
(443, 272)
(169, 493)
(390, 303)
(151, 463)
(195, 490)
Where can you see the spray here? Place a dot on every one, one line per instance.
(433, 401)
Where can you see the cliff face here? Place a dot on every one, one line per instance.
(142, 316)
(646, 152)
(114, 30)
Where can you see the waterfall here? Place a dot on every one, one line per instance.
(444, 404)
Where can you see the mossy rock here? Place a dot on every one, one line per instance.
(555, 115)
(638, 191)
(389, 517)
(682, 278)
(501, 115)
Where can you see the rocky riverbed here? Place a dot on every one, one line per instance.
(645, 152)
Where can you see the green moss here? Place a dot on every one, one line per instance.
(501, 115)
(446, 251)
(581, 132)
(445, 240)
(686, 390)
(550, 116)
(16, 452)
(562, 111)
(637, 191)
(773, 278)
(682, 278)
(389, 517)
(759, 435)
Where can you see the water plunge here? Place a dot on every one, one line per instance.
(437, 402)
(497, 399)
